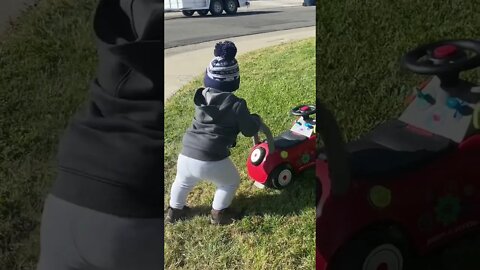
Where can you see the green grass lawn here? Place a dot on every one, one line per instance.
(46, 64)
(359, 47)
(48, 60)
(278, 231)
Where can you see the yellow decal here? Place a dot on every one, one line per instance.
(380, 196)
(284, 154)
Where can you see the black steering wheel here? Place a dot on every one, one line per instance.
(442, 57)
(304, 110)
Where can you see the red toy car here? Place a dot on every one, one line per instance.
(274, 162)
(412, 184)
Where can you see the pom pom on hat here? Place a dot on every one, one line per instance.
(226, 50)
(223, 73)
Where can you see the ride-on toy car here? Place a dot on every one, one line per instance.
(274, 161)
(413, 182)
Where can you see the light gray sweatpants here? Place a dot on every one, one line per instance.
(190, 171)
(78, 238)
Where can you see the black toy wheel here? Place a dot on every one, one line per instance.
(257, 156)
(304, 110)
(448, 56)
(231, 7)
(374, 250)
(188, 13)
(216, 7)
(203, 12)
(281, 177)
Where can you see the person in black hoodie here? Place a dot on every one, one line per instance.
(105, 210)
(219, 117)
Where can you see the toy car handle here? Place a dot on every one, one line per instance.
(410, 60)
(337, 155)
(270, 141)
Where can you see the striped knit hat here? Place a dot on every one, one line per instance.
(223, 73)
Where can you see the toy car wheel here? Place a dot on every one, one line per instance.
(188, 13)
(231, 7)
(203, 12)
(216, 7)
(373, 251)
(257, 156)
(281, 177)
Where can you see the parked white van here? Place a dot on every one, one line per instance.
(202, 7)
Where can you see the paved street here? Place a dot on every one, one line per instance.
(188, 31)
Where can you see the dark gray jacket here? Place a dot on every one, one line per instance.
(219, 118)
(111, 155)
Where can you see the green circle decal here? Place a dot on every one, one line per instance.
(380, 196)
(284, 154)
(448, 210)
(305, 158)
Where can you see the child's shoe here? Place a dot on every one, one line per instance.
(174, 215)
(224, 217)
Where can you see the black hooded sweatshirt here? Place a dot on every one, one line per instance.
(219, 118)
(111, 155)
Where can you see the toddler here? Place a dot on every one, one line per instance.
(219, 117)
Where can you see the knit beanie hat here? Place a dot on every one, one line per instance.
(223, 73)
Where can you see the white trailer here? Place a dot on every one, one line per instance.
(203, 7)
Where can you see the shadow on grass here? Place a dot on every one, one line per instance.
(287, 202)
(290, 201)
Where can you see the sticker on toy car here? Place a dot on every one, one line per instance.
(302, 127)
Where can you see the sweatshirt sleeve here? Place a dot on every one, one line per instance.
(248, 123)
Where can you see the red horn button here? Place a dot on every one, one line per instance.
(304, 108)
(444, 51)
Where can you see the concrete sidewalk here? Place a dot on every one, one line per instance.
(254, 6)
(183, 64)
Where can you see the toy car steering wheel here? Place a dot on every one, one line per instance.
(304, 110)
(448, 56)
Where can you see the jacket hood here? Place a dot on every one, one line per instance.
(211, 104)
